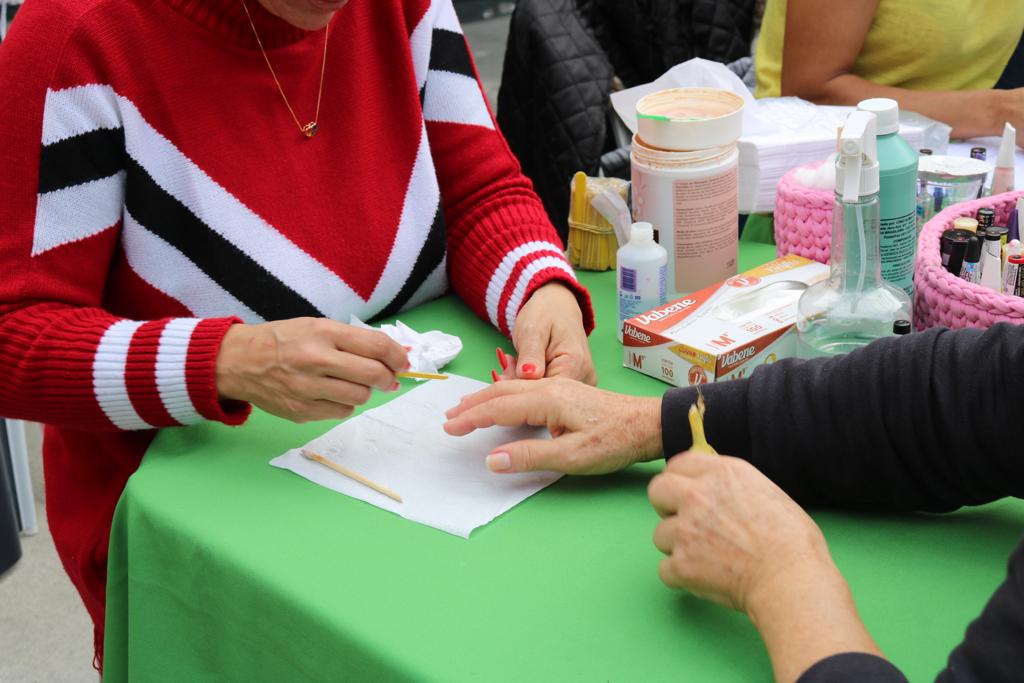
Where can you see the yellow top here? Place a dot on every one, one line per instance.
(915, 44)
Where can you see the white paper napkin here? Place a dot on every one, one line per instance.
(431, 350)
(401, 445)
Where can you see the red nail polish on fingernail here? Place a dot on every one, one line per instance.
(494, 376)
(529, 368)
(396, 386)
(502, 358)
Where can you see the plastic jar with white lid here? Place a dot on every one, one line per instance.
(692, 199)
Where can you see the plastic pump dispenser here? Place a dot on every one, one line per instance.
(854, 306)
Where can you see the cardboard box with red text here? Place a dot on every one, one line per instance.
(723, 331)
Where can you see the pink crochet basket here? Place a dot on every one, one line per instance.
(803, 218)
(941, 298)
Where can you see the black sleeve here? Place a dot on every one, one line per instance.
(921, 422)
(993, 649)
(852, 667)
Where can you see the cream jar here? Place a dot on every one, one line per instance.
(686, 183)
(692, 198)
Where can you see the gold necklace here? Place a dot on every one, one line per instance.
(310, 129)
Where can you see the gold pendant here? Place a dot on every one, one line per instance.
(309, 130)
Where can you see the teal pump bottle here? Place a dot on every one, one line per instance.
(897, 195)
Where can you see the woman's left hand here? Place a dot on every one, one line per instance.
(549, 338)
(593, 431)
(731, 535)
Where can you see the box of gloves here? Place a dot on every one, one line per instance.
(723, 331)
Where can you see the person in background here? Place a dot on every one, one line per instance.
(957, 62)
(941, 58)
(881, 428)
(198, 194)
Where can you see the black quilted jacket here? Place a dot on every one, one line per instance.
(553, 104)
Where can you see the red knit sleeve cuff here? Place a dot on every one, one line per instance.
(504, 251)
(550, 275)
(200, 373)
(522, 270)
(161, 373)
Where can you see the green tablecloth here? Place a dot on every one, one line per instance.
(224, 568)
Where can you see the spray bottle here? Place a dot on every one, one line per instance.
(897, 196)
(855, 305)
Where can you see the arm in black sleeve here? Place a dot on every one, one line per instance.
(852, 667)
(921, 422)
(993, 649)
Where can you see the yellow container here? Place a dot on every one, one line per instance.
(592, 241)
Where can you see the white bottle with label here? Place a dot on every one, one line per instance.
(641, 274)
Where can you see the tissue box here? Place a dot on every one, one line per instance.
(726, 330)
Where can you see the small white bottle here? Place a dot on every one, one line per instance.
(991, 263)
(641, 273)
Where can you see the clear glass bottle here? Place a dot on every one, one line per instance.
(854, 306)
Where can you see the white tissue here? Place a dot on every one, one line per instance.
(821, 178)
(613, 208)
(431, 350)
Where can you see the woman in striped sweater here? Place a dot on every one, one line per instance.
(195, 192)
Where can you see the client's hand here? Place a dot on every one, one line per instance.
(549, 338)
(594, 431)
(728, 531)
(734, 537)
(307, 368)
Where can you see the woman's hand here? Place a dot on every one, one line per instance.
(594, 431)
(549, 338)
(728, 531)
(734, 537)
(823, 42)
(307, 368)
(1010, 108)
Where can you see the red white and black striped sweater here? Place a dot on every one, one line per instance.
(154, 190)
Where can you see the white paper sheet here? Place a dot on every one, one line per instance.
(401, 445)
